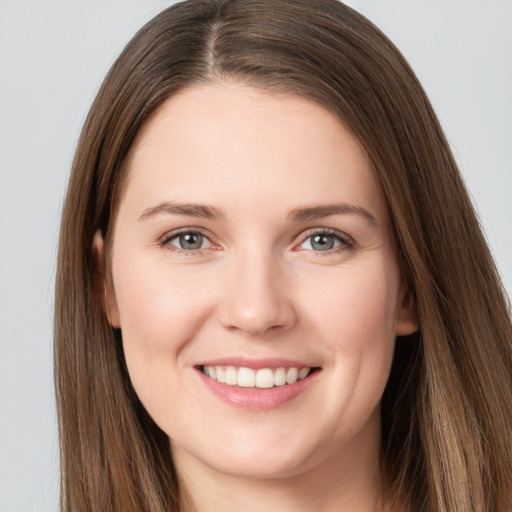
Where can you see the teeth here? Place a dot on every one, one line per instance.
(231, 376)
(303, 372)
(291, 375)
(280, 377)
(221, 374)
(263, 378)
(246, 378)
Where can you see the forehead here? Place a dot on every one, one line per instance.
(225, 140)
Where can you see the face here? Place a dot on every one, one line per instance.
(255, 283)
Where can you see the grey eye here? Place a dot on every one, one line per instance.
(322, 242)
(189, 241)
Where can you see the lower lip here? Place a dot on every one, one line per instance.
(257, 399)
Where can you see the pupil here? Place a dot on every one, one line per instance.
(322, 242)
(191, 241)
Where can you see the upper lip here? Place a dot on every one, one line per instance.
(256, 364)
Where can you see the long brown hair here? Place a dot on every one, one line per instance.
(447, 409)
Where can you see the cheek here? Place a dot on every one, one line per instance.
(356, 323)
(160, 311)
(357, 309)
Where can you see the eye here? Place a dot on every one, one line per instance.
(190, 241)
(324, 241)
(186, 241)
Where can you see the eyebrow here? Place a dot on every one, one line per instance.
(317, 212)
(298, 214)
(189, 209)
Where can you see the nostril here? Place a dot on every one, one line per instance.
(250, 319)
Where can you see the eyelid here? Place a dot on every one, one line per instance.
(164, 240)
(347, 242)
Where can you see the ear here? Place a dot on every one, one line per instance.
(407, 317)
(103, 287)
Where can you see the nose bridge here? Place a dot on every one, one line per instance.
(257, 300)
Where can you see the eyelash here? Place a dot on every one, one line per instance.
(165, 241)
(346, 243)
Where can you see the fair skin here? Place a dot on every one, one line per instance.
(252, 233)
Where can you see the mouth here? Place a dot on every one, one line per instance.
(257, 384)
(262, 378)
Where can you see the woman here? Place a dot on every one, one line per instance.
(272, 286)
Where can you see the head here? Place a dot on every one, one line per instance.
(327, 55)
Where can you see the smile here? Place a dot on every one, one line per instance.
(263, 378)
(257, 384)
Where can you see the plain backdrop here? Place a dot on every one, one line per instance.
(53, 56)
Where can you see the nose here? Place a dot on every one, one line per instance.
(258, 300)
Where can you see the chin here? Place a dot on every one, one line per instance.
(255, 460)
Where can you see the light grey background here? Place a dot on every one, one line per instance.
(53, 56)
